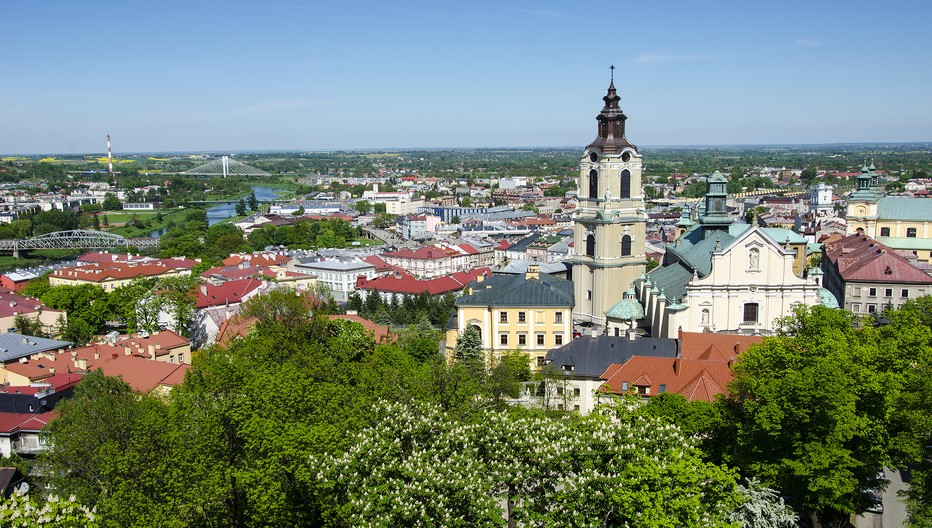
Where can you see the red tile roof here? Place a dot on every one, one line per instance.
(692, 379)
(403, 283)
(106, 257)
(861, 258)
(705, 346)
(12, 304)
(143, 375)
(15, 422)
(103, 272)
(233, 328)
(256, 259)
(231, 292)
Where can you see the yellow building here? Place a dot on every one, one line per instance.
(529, 313)
(901, 223)
(112, 275)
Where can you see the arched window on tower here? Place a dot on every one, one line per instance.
(590, 245)
(593, 183)
(625, 184)
(625, 246)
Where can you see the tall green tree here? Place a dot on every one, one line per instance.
(818, 411)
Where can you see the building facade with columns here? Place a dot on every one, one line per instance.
(610, 220)
(724, 277)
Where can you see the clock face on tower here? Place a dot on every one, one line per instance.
(626, 157)
(861, 210)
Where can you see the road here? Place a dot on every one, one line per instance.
(894, 509)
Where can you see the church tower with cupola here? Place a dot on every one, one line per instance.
(609, 223)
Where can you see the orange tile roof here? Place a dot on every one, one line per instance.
(235, 327)
(693, 379)
(715, 347)
(112, 271)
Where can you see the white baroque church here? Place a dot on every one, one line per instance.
(718, 276)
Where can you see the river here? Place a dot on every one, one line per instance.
(221, 212)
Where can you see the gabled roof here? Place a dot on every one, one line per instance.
(695, 380)
(858, 258)
(516, 290)
(234, 328)
(231, 292)
(403, 283)
(18, 422)
(12, 304)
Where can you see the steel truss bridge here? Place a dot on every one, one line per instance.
(78, 239)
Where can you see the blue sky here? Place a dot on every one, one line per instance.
(231, 75)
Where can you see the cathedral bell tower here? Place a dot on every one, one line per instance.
(609, 223)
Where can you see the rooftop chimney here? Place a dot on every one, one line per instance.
(533, 272)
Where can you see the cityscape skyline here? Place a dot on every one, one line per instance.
(359, 75)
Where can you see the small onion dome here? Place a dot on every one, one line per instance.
(827, 299)
(627, 309)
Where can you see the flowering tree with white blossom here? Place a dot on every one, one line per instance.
(23, 511)
(417, 467)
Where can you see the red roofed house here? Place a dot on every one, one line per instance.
(215, 304)
(866, 276)
(20, 433)
(25, 411)
(434, 261)
(401, 283)
(701, 371)
(143, 367)
(111, 276)
(161, 347)
(13, 305)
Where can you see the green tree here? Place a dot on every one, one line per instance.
(111, 202)
(363, 206)
(253, 202)
(508, 374)
(241, 207)
(814, 411)
(605, 469)
(808, 175)
(468, 349)
(29, 326)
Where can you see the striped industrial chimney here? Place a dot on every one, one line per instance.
(109, 156)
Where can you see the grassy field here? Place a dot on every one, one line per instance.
(121, 217)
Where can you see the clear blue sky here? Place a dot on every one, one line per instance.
(197, 75)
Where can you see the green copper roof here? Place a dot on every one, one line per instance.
(827, 299)
(910, 244)
(625, 310)
(904, 208)
(717, 177)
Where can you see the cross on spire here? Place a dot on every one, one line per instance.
(612, 67)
